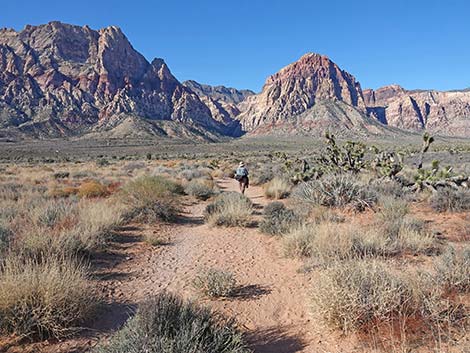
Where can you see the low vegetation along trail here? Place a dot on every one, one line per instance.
(271, 298)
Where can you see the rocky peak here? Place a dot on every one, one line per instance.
(298, 88)
(72, 79)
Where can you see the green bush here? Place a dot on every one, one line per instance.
(215, 283)
(229, 209)
(168, 324)
(278, 219)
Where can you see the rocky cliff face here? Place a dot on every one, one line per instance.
(60, 80)
(222, 102)
(446, 113)
(309, 96)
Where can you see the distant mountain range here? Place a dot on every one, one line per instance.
(60, 80)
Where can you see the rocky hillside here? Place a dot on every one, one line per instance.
(309, 96)
(446, 113)
(222, 102)
(61, 80)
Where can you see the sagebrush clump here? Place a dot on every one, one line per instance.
(278, 219)
(202, 189)
(215, 283)
(277, 188)
(229, 209)
(166, 323)
(152, 198)
(452, 200)
(352, 295)
(453, 268)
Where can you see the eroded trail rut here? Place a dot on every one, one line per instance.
(271, 301)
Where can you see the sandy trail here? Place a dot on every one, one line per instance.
(272, 296)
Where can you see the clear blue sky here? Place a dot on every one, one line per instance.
(415, 43)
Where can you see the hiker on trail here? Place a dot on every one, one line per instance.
(242, 176)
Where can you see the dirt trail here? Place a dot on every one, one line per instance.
(272, 297)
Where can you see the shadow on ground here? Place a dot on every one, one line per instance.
(253, 291)
(275, 340)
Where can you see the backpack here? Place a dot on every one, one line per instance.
(240, 173)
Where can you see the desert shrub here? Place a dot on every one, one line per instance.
(215, 283)
(453, 268)
(402, 232)
(229, 209)
(5, 237)
(91, 189)
(61, 175)
(155, 239)
(151, 198)
(195, 173)
(200, 189)
(63, 191)
(278, 219)
(388, 188)
(336, 190)
(350, 295)
(328, 242)
(96, 223)
(90, 231)
(263, 175)
(168, 324)
(102, 162)
(10, 191)
(277, 188)
(321, 214)
(52, 212)
(447, 199)
(51, 298)
(132, 166)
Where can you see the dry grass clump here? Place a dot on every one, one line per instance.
(151, 198)
(52, 212)
(229, 209)
(168, 324)
(328, 242)
(278, 219)
(92, 189)
(336, 190)
(356, 295)
(5, 237)
(277, 188)
(84, 228)
(402, 231)
(452, 200)
(202, 189)
(50, 298)
(453, 269)
(215, 283)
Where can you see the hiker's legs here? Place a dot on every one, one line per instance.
(242, 185)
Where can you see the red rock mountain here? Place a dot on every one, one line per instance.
(59, 80)
(446, 113)
(309, 96)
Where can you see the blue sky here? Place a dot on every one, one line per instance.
(414, 43)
